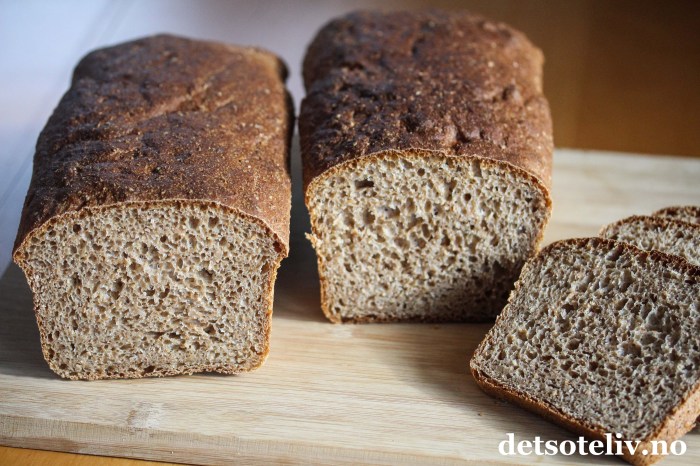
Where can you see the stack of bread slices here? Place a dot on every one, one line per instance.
(602, 335)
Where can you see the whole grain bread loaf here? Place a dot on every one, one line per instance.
(686, 213)
(426, 145)
(600, 337)
(659, 233)
(158, 211)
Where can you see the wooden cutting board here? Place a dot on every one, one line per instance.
(386, 394)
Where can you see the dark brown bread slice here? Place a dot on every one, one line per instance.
(686, 213)
(426, 145)
(158, 211)
(660, 233)
(600, 337)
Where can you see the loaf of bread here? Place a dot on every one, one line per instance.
(686, 213)
(659, 233)
(158, 211)
(426, 144)
(600, 337)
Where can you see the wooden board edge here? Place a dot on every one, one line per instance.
(153, 445)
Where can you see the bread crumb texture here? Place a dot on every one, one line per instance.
(604, 334)
(419, 237)
(686, 213)
(157, 290)
(661, 233)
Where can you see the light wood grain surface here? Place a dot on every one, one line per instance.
(335, 394)
(619, 75)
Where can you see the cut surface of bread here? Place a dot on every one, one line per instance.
(426, 145)
(686, 213)
(600, 337)
(158, 210)
(422, 237)
(663, 234)
(152, 290)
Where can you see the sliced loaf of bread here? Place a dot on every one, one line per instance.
(427, 143)
(660, 233)
(158, 211)
(600, 337)
(686, 213)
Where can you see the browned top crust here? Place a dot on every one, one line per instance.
(449, 82)
(167, 118)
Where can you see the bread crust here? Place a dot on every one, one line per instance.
(160, 118)
(680, 420)
(650, 220)
(658, 223)
(166, 121)
(453, 82)
(686, 211)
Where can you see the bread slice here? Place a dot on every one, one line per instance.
(427, 146)
(158, 211)
(660, 233)
(687, 213)
(600, 337)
